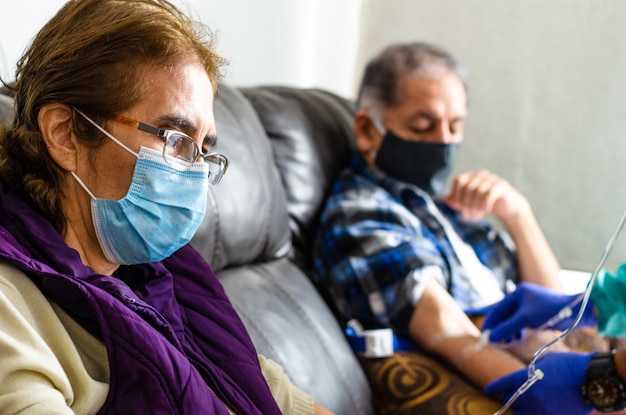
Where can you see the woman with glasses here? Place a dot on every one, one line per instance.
(104, 174)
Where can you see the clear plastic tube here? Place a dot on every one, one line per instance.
(535, 374)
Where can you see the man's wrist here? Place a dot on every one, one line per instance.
(620, 363)
(520, 217)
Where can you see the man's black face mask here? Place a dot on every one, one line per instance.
(424, 164)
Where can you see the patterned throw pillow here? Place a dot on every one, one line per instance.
(415, 383)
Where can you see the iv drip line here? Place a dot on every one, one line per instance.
(535, 374)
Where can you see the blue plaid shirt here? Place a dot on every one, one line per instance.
(378, 244)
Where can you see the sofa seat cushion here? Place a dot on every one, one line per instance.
(289, 323)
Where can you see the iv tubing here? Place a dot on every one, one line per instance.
(536, 374)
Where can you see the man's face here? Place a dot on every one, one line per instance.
(432, 109)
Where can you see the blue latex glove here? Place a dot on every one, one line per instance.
(557, 393)
(529, 306)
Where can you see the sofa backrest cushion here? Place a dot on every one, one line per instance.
(312, 139)
(246, 220)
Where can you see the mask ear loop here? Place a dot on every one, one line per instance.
(80, 182)
(105, 132)
(535, 374)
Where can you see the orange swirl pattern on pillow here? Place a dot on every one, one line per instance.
(410, 383)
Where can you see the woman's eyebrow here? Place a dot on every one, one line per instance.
(186, 126)
(180, 123)
(210, 140)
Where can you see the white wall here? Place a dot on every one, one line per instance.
(303, 43)
(547, 103)
(20, 22)
(308, 43)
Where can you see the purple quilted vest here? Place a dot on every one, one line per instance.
(174, 342)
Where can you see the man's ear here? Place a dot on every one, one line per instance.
(368, 138)
(56, 125)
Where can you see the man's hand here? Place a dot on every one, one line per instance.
(557, 393)
(479, 193)
(529, 306)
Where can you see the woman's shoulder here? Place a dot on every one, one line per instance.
(16, 287)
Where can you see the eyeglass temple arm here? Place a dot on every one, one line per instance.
(140, 126)
(150, 129)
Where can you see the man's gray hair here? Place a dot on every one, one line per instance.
(379, 88)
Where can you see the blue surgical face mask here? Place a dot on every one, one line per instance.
(161, 212)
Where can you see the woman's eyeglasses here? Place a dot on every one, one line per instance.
(176, 146)
(180, 146)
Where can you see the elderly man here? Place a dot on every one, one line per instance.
(395, 249)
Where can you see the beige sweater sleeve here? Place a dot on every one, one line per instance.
(290, 399)
(41, 371)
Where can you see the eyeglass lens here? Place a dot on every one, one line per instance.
(217, 167)
(184, 148)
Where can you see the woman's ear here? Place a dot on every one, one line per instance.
(56, 125)
(368, 137)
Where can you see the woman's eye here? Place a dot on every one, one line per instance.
(209, 143)
(180, 146)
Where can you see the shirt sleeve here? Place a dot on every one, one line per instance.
(375, 258)
(31, 378)
(290, 399)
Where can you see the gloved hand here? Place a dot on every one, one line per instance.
(529, 306)
(557, 393)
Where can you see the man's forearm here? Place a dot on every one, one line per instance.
(537, 262)
(440, 326)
